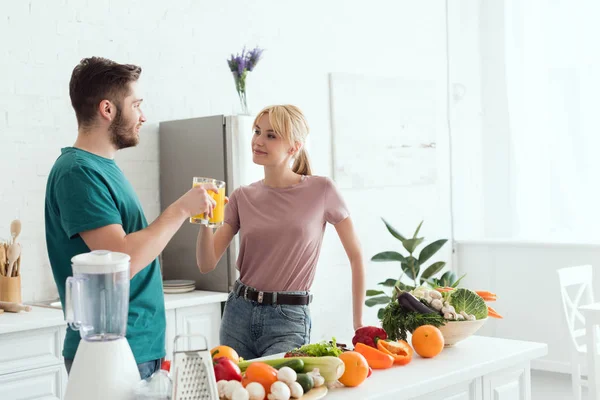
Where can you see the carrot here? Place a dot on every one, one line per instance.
(486, 296)
(493, 313)
(445, 289)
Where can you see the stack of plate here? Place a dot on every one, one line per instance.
(178, 286)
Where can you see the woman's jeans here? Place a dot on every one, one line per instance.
(257, 330)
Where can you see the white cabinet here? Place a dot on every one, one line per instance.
(203, 319)
(37, 384)
(31, 365)
(463, 391)
(510, 384)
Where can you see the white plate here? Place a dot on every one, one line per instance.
(178, 283)
(178, 290)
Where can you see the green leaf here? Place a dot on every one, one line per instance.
(403, 287)
(455, 284)
(377, 300)
(418, 229)
(431, 249)
(433, 269)
(393, 231)
(380, 313)
(374, 292)
(388, 283)
(411, 244)
(448, 278)
(469, 302)
(388, 256)
(411, 267)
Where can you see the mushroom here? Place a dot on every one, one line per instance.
(287, 375)
(230, 388)
(449, 316)
(296, 390)
(279, 391)
(437, 304)
(256, 391)
(240, 394)
(460, 317)
(317, 378)
(434, 294)
(222, 388)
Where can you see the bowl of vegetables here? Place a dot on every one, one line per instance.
(455, 331)
(458, 313)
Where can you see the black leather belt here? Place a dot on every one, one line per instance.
(271, 298)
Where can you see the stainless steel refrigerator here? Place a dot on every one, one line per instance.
(215, 147)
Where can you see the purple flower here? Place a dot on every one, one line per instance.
(246, 61)
(253, 58)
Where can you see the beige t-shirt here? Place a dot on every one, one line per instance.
(281, 231)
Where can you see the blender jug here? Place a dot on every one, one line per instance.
(97, 295)
(96, 304)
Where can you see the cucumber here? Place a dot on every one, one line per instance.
(306, 381)
(296, 364)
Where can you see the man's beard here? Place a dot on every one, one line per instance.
(122, 135)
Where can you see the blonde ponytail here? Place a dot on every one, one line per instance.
(302, 164)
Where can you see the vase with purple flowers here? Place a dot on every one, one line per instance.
(240, 65)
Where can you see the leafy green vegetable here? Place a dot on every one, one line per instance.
(470, 302)
(320, 349)
(397, 321)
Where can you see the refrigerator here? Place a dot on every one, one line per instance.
(217, 147)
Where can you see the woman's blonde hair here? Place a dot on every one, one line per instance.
(290, 124)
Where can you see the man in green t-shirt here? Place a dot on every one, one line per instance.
(90, 205)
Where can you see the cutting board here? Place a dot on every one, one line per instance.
(315, 394)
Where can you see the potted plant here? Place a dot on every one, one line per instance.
(412, 266)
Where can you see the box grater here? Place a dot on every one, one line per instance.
(192, 372)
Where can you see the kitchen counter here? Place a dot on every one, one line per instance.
(477, 368)
(45, 317)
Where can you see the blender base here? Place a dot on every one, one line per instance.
(103, 370)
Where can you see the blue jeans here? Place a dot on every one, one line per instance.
(146, 369)
(258, 330)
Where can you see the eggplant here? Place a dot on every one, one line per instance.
(411, 303)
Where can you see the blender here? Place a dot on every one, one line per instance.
(97, 305)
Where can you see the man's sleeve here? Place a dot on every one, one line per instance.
(85, 202)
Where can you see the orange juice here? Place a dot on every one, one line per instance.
(218, 215)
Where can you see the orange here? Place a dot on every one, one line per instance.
(225, 351)
(428, 341)
(356, 368)
(260, 373)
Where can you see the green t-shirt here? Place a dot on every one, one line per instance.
(85, 192)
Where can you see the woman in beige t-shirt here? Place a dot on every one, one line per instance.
(281, 220)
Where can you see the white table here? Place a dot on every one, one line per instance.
(476, 368)
(591, 314)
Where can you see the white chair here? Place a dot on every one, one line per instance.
(576, 291)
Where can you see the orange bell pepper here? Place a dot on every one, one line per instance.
(375, 358)
(400, 351)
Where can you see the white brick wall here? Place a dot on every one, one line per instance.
(182, 47)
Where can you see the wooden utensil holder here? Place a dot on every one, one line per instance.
(10, 289)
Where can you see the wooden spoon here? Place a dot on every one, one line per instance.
(15, 229)
(14, 252)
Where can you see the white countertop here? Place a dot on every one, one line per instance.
(44, 317)
(469, 359)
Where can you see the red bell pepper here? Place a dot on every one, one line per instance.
(225, 369)
(369, 335)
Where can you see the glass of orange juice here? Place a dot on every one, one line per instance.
(218, 215)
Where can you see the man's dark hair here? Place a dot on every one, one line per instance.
(95, 79)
